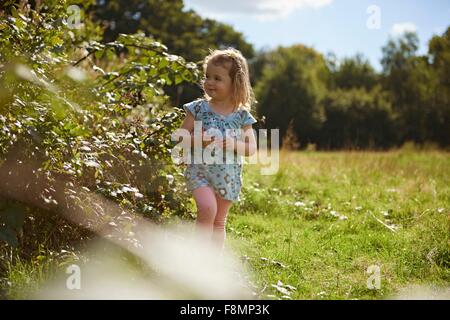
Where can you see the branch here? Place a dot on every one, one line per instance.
(82, 59)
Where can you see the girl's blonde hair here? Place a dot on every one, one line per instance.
(234, 61)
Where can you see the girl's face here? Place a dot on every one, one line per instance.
(218, 82)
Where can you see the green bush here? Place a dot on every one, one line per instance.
(357, 118)
(81, 118)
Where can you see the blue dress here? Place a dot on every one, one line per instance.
(225, 178)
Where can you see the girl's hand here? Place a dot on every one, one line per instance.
(204, 138)
(207, 140)
(228, 143)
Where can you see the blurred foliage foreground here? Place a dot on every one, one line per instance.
(82, 123)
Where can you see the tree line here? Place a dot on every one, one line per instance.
(310, 97)
(346, 104)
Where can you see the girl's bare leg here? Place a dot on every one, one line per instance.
(206, 210)
(219, 233)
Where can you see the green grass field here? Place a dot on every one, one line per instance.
(312, 230)
(325, 217)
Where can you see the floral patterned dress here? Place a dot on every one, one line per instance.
(225, 178)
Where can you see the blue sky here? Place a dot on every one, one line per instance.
(339, 26)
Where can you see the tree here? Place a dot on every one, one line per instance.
(439, 118)
(291, 88)
(354, 72)
(184, 32)
(407, 78)
(358, 118)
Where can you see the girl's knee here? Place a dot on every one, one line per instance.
(207, 209)
(206, 202)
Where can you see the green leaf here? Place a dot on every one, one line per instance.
(178, 79)
(98, 54)
(163, 63)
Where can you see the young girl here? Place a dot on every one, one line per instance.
(226, 104)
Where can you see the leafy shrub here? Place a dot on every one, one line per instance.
(80, 117)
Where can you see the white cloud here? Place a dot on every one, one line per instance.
(259, 9)
(400, 28)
